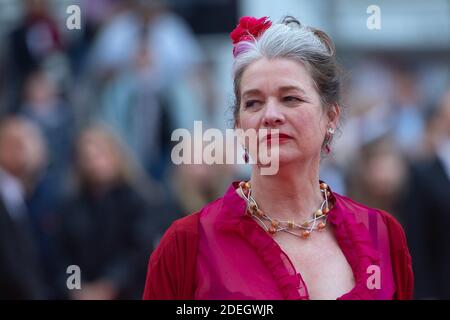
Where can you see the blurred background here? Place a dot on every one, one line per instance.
(86, 117)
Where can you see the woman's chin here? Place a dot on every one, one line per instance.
(283, 159)
(281, 156)
(288, 159)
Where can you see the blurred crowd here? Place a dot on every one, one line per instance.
(85, 172)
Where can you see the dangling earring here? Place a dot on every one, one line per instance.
(245, 154)
(328, 139)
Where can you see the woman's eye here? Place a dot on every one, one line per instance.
(251, 103)
(292, 99)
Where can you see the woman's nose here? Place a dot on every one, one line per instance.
(273, 116)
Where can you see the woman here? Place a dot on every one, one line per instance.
(107, 225)
(283, 236)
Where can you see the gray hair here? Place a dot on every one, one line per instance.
(290, 39)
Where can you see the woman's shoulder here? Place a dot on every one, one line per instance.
(186, 227)
(183, 233)
(399, 252)
(394, 227)
(386, 216)
(390, 220)
(173, 261)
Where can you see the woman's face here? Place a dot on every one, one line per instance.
(280, 94)
(97, 159)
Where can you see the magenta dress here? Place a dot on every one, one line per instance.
(237, 259)
(221, 253)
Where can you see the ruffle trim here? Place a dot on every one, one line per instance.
(353, 238)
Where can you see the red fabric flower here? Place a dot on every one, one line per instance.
(249, 28)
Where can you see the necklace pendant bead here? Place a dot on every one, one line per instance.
(305, 224)
(272, 230)
(323, 186)
(291, 224)
(275, 223)
(319, 213)
(321, 226)
(326, 210)
(306, 234)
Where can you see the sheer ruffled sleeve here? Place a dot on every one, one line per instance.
(401, 259)
(171, 269)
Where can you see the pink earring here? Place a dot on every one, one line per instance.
(246, 155)
(328, 139)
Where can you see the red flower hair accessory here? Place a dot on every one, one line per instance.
(249, 28)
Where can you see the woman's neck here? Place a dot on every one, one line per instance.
(292, 194)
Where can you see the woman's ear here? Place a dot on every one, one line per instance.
(333, 114)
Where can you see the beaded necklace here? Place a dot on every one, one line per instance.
(317, 222)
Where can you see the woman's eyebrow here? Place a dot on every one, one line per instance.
(289, 88)
(281, 89)
(250, 92)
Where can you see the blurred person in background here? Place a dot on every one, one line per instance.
(407, 118)
(95, 14)
(143, 59)
(22, 157)
(43, 105)
(133, 106)
(195, 184)
(367, 120)
(109, 223)
(173, 47)
(35, 42)
(378, 175)
(426, 209)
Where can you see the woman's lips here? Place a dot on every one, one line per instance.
(281, 137)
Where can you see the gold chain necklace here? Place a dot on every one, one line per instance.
(317, 222)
